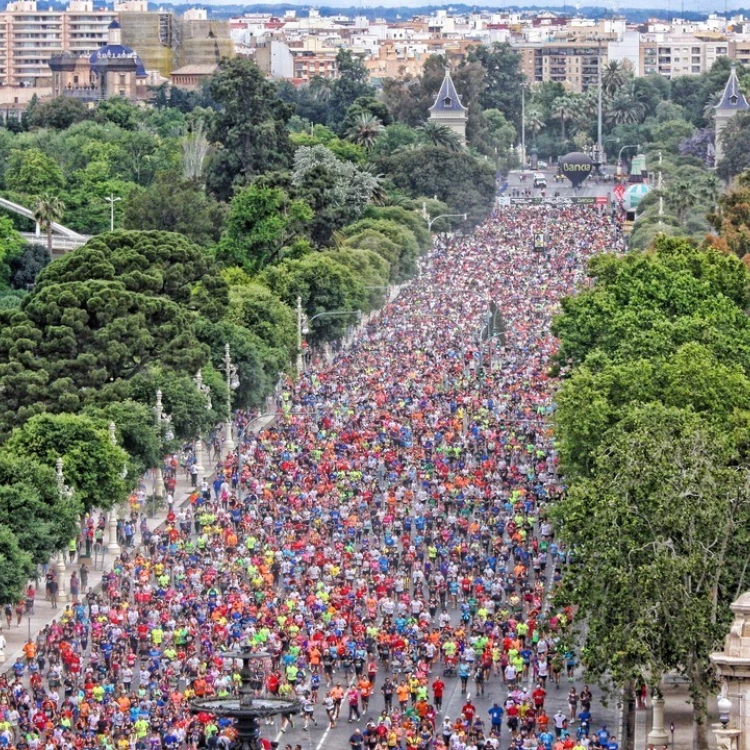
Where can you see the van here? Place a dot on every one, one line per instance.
(540, 180)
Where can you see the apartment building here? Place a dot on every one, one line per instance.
(670, 55)
(573, 63)
(29, 37)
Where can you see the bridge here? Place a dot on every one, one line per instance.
(63, 239)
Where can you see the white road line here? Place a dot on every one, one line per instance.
(323, 738)
(278, 737)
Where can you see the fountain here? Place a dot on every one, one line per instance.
(253, 703)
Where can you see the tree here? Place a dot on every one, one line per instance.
(47, 211)
(466, 184)
(173, 203)
(256, 308)
(26, 266)
(440, 135)
(337, 191)
(657, 531)
(351, 85)
(563, 108)
(249, 128)
(32, 172)
(732, 219)
(365, 130)
(262, 220)
(502, 79)
(93, 467)
(323, 285)
(735, 140)
(118, 111)
(534, 122)
(614, 76)
(58, 113)
(625, 107)
(681, 197)
(42, 520)
(160, 264)
(136, 432)
(16, 567)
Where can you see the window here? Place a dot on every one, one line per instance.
(447, 101)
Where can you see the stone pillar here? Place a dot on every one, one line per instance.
(112, 543)
(658, 735)
(199, 461)
(62, 589)
(733, 664)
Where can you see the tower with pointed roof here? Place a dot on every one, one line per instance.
(732, 101)
(448, 110)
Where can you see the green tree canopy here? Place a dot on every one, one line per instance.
(92, 466)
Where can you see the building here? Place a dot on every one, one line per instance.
(30, 37)
(192, 77)
(166, 42)
(732, 101)
(112, 70)
(573, 63)
(671, 55)
(448, 110)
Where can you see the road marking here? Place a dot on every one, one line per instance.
(323, 738)
(278, 737)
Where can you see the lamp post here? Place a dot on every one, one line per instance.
(113, 545)
(523, 126)
(431, 221)
(304, 330)
(727, 738)
(233, 384)
(300, 325)
(636, 146)
(205, 391)
(64, 492)
(160, 417)
(112, 199)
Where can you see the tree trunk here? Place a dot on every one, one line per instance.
(700, 725)
(562, 123)
(49, 238)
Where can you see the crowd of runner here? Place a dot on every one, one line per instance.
(386, 540)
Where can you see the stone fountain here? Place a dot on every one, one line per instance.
(253, 702)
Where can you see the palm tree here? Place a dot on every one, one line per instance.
(365, 130)
(563, 107)
(626, 107)
(48, 210)
(534, 122)
(614, 76)
(709, 108)
(681, 197)
(437, 134)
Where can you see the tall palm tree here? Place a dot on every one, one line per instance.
(437, 134)
(564, 108)
(534, 122)
(365, 130)
(614, 76)
(48, 209)
(626, 107)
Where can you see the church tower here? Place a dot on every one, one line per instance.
(732, 101)
(448, 110)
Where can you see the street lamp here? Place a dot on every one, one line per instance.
(112, 199)
(65, 493)
(430, 221)
(205, 391)
(725, 709)
(233, 383)
(636, 146)
(303, 326)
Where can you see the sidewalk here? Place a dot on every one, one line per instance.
(677, 711)
(17, 636)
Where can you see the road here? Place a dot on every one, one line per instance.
(321, 737)
(564, 189)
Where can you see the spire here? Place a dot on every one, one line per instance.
(447, 99)
(733, 99)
